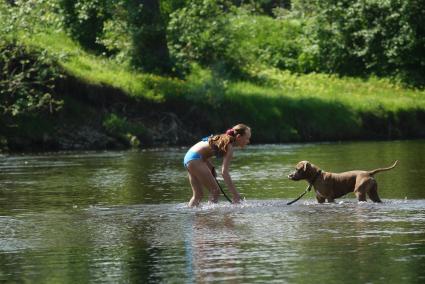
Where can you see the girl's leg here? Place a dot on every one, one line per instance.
(196, 190)
(200, 170)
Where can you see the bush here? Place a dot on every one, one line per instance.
(116, 36)
(385, 38)
(22, 18)
(198, 33)
(27, 81)
(265, 41)
(230, 40)
(129, 132)
(84, 19)
(205, 87)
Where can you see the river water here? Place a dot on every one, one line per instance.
(121, 217)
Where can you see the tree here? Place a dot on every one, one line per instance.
(84, 20)
(385, 38)
(149, 44)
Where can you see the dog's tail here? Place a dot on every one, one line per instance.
(382, 169)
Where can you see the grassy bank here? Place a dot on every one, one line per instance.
(120, 106)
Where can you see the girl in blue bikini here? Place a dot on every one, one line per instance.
(202, 172)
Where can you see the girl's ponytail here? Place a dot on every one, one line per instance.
(221, 141)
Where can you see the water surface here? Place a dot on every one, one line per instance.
(114, 217)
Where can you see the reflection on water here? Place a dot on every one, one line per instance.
(122, 217)
(257, 241)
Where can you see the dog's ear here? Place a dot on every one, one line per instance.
(306, 165)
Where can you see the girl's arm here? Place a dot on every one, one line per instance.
(226, 176)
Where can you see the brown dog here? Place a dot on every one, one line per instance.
(329, 186)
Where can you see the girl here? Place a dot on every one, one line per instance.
(202, 172)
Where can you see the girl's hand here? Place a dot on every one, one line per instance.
(236, 198)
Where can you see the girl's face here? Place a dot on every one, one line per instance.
(243, 140)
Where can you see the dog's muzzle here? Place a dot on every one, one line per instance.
(293, 176)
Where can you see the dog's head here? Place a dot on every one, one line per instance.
(303, 170)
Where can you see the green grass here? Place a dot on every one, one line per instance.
(99, 70)
(358, 94)
(279, 105)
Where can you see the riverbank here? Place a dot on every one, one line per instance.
(108, 106)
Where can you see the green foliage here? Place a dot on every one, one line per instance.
(169, 6)
(116, 36)
(356, 38)
(240, 64)
(26, 17)
(205, 87)
(372, 37)
(288, 107)
(84, 19)
(263, 7)
(266, 41)
(135, 33)
(27, 81)
(27, 75)
(149, 46)
(98, 70)
(198, 33)
(221, 36)
(121, 128)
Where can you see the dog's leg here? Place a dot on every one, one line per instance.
(330, 199)
(363, 185)
(373, 192)
(320, 199)
(361, 196)
(360, 192)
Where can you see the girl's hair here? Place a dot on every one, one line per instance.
(219, 142)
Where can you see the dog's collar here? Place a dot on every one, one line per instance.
(314, 179)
